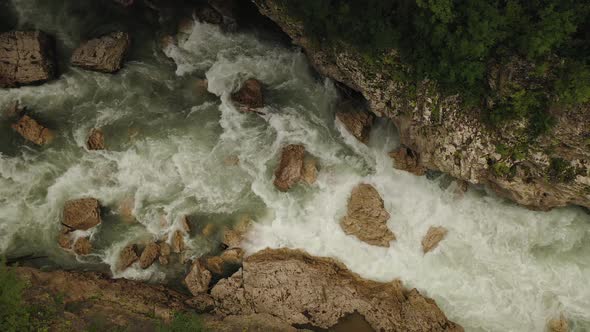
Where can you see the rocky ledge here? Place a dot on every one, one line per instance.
(552, 170)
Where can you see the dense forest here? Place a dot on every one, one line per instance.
(454, 41)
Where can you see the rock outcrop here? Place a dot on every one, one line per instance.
(198, 279)
(407, 160)
(552, 172)
(294, 167)
(357, 123)
(249, 97)
(81, 214)
(322, 292)
(95, 140)
(433, 236)
(26, 57)
(32, 131)
(104, 54)
(366, 217)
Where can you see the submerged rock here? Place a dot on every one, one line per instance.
(288, 173)
(82, 214)
(149, 255)
(127, 257)
(322, 292)
(95, 140)
(32, 131)
(357, 123)
(433, 237)
(26, 57)
(558, 325)
(198, 279)
(249, 97)
(104, 54)
(177, 242)
(407, 160)
(309, 173)
(366, 217)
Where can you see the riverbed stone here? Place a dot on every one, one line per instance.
(198, 279)
(366, 217)
(290, 167)
(128, 256)
(250, 96)
(81, 214)
(33, 131)
(103, 54)
(26, 57)
(95, 140)
(82, 246)
(149, 255)
(432, 238)
(407, 160)
(358, 123)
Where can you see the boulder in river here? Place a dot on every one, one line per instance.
(128, 256)
(95, 140)
(357, 123)
(288, 173)
(103, 54)
(149, 255)
(309, 174)
(366, 217)
(249, 97)
(82, 214)
(198, 279)
(82, 246)
(302, 289)
(32, 131)
(26, 57)
(407, 160)
(177, 242)
(558, 325)
(433, 236)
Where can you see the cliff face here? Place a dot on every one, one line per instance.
(545, 172)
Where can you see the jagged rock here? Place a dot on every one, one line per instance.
(407, 160)
(201, 302)
(177, 242)
(95, 140)
(289, 170)
(82, 246)
(558, 325)
(214, 264)
(322, 292)
(198, 279)
(309, 173)
(232, 237)
(104, 54)
(433, 236)
(249, 97)
(208, 14)
(149, 255)
(357, 123)
(26, 57)
(366, 217)
(232, 256)
(185, 224)
(165, 249)
(64, 240)
(83, 213)
(32, 131)
(128, 256)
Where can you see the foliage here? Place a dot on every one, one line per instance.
(183, 322)
(454, 41)
(501, 169)
(560, 170)
(14, 316)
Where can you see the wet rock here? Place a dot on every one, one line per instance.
(104, 54)
(208, 14)
(125, 209)
(165, 249)
(177, 242)
(232, 160)
(433, 236)
(288, 173)
(249, 97)
(310, 171)
(201, 86)
(357, 123)
(232, 237)
(366, 217)
(201, 302)
(407, 160)
(198, 279)
(64, 240)
(95, 140)
(558, 325)
(214, 264)
(208, 230)
(32, 131)
(232, 256)
(82, 246)
(149, 255)
(185, 224)
(128, 256)
(82, 214)
(164, 260)
(322, 292)
(26, 57)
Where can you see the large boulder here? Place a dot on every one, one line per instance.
(357, 123)
(82, 214)
(366, 217)
(104, 54)
(26, 57)
(127, 256)
(305, 290)
(149, 255)
(32, 131)
(198, 279)
(249, 97)
(95, 140)
(433, 237)
(407, 160)
(290, 168)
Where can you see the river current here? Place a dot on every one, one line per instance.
(501, 267)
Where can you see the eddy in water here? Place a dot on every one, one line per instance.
(220, 138)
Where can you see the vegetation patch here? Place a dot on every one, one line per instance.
(560, 170)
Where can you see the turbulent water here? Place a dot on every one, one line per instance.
(501, 267)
